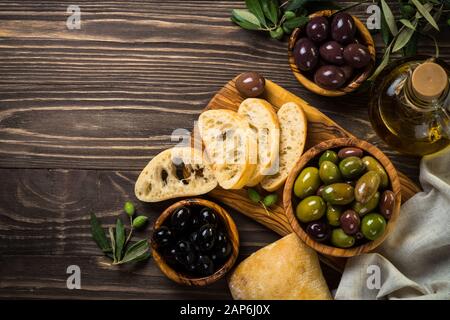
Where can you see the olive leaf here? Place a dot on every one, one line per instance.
(270, 9)
(403, 37)
(99, 235)
(254, 6)
(136, 252)
(120, 239)
(295, 4)
(385, 33)
(436, 17)
(411, 48)
(245, 19)
(113, 243)
(388, 15)
(424, 12)
(296, 22)
(408, 24)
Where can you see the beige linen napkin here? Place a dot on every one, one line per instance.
(414, 261)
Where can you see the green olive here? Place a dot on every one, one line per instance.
(329, 155)
(367, 186)
(367, 207)
(338, 193)
(329, 172)
(351, 167)
(373, 225)
(333, 214)
(372, 164)
(310, 209)
(340, 239)
(307, 183)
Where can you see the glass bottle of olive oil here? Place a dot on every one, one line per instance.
(410, 105)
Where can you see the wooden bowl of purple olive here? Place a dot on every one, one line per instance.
(333, 54)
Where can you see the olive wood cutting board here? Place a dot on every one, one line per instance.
(320, 128)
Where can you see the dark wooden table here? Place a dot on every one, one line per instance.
(82, 111)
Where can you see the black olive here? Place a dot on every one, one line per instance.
(205, 266)
(329, 77)
(306, 54)
(223, 251)
(343, 28)
(332, 52)
(206, 237)
(181, 219)
(169, 255)
(357, 55)
(162, 236)
(207, 216)
(193, 239)
(317, 29)
(184, 253)
(183, 246)
(319, 231)
(221, 238)
(250, 84)
(195, 221)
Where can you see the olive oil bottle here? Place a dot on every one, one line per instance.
(410, 105)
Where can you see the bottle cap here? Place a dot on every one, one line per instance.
(429, 80)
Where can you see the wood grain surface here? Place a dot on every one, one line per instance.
(82, 111)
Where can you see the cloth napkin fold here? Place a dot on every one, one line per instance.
(414, 261)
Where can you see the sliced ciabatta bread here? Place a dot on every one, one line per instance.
(176, 172)
(231, 146)
(293, 125)
(264, 121)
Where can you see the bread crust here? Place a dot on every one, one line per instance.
(262, 117)
(234, 130)
(285, 270)
(160, 179)
(292, 143)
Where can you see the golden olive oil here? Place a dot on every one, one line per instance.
(404, 110)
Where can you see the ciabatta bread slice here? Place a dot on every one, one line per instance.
(176, 172)
(264, 121)
(230, 145)
(293, 125)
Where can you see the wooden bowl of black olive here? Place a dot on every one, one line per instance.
(195, 242)
(333, 54)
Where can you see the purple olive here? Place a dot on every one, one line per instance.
(387, 204)
(350, 152)
(343, 28)
(332, 52)
(347, 70)
(329, 77)
(317, 29)
(350, 222)
(306, 54)
(319, 231)
(250, 84)
(356, 55)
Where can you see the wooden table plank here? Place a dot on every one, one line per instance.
(44, 223)
(82, 111)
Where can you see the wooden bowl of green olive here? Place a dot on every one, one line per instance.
(343, 197)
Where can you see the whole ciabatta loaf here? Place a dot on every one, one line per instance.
(264, 121)
(284, 270)
(176, 172)
(231, 146)
(293, 126)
